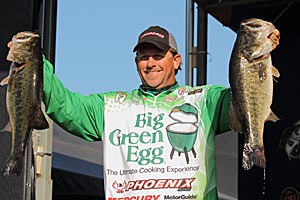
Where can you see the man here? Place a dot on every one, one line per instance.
(158, 140)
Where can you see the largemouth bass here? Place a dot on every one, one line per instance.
(251, 80)
(24, 95)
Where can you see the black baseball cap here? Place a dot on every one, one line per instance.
(157, 36)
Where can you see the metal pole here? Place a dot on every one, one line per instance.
(201, 47)
(189, 42)
(50, 18)
(42, 139)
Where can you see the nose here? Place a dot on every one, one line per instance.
(151, 62)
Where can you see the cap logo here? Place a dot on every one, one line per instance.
(152, 33)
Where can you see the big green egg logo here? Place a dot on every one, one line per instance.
(132, 140)
(181, 134)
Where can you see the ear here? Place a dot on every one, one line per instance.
(136, 63)
(177, 61)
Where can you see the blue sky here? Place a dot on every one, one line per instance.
(95, 40)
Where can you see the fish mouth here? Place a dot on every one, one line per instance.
(21, 46)
(251, 21)
(256, 25)
(25, 36)
(264, 36)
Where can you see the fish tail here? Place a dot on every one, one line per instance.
(253, 156)
(40, 122)
(13, 166)
(7, 128)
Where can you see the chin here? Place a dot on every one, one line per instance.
(152, 85)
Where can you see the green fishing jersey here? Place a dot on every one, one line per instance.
(155, 147)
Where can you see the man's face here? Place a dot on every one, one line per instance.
(156, 68)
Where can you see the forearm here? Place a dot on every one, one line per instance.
(226, 99)
(219, 99)
(78, 114)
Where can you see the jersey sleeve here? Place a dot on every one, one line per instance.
(80, 115)
(219, 99)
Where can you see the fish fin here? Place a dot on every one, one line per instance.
(233, 121)
(40, 121)
(13, 166)
(7, 128)
(4, 81)
(19, 66)
(275, 79)
(9, 44)
(253, 156)
(275, 72)
(272, 117)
